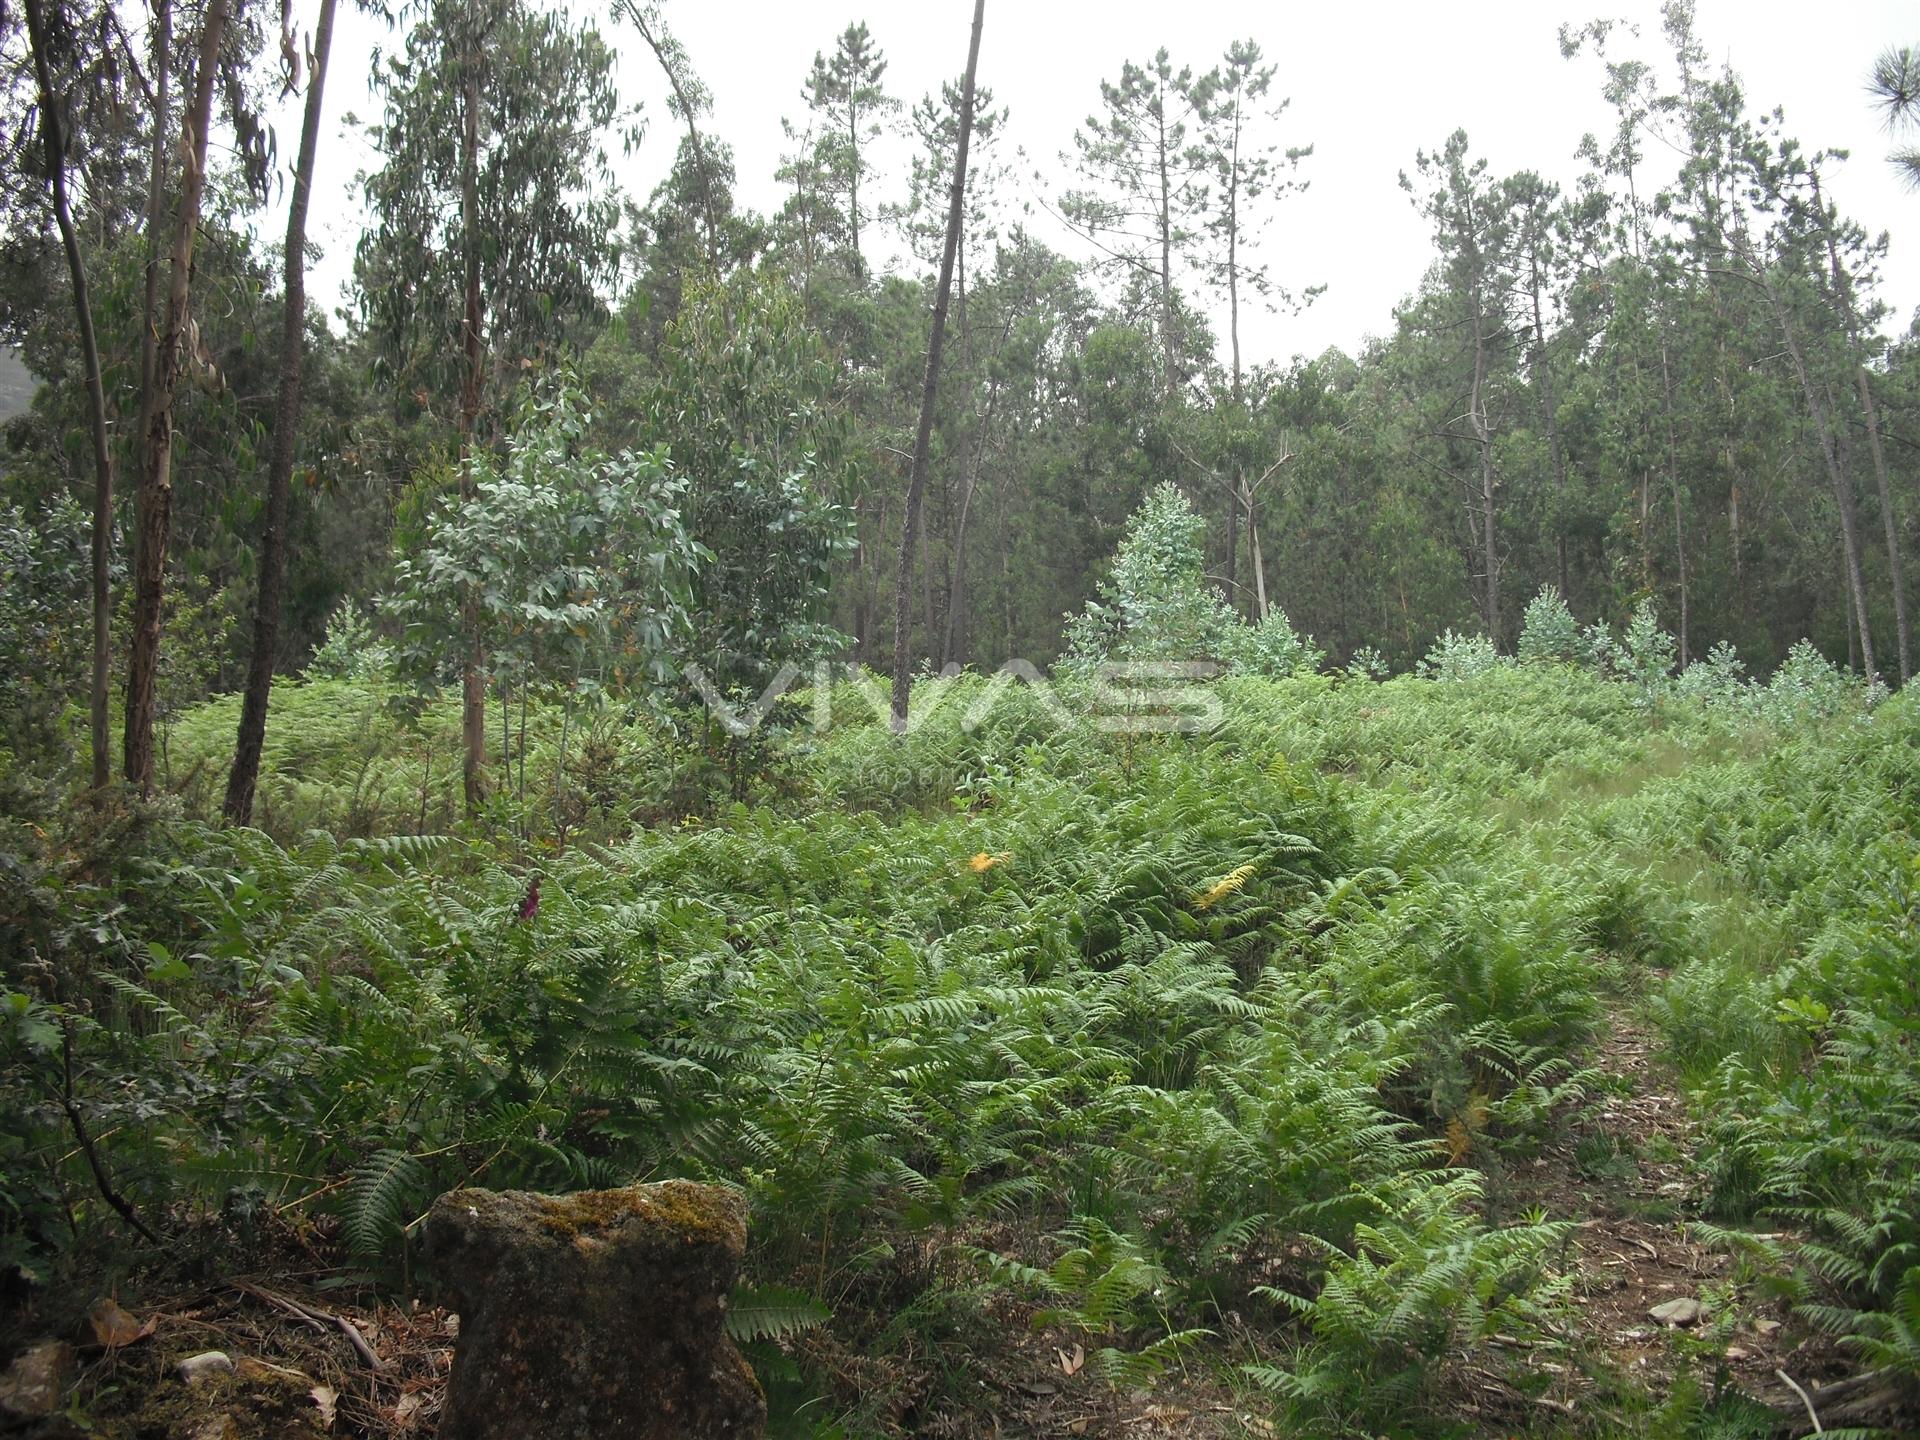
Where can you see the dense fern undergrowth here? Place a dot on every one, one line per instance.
(1217, 1050)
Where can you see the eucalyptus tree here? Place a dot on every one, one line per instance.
(567, 567)
(494, 230)
(177, 342)
(50, 36)
(747, 405)
(1143, 184)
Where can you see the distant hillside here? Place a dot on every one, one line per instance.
(16, 384)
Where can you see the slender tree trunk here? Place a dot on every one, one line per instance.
(1673, 488)
(853, 185)
(1850, 318)
(926, 581)
(286, 424)
(473, 685)
(1240, 493)
(156, 216)
(658, 44)
(953, 650)
(1233, 548)
(155, 498)
(1550, 419)
(1483, 438)
(1889, 524)
(923, 437)
(1837, 479)
(1166, 251)
(51, 110)
(1262, 610)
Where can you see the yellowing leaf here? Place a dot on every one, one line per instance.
(1227, 885)
(983, 862)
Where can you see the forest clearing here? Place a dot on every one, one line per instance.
(855, 820)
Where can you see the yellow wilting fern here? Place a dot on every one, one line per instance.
(1464, 1128)
(983, 862)
(1228, 884)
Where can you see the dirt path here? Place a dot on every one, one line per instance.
(1653, 1300)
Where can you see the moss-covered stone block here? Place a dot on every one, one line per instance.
(595, 1314)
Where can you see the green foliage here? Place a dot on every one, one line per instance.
(1548, 632)
(745, 406)
(351, 649)
(1646, 655)
(1155, 605)
(44, 641)
(1459, 657)
(562, 565)
(1423, 1278)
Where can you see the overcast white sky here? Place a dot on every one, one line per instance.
(1370, 84)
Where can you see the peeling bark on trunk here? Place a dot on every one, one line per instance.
(154, 507)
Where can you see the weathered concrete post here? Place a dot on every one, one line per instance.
(597, 1315)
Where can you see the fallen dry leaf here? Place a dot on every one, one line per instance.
(114, 1327)
(1070, 1364)
(326, 1398)
(408, 1408)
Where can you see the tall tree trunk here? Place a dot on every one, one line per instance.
(1483, 438)
(853, 181)
(156, 216)
(51, 109)
(1837, 478)
(953, 649)
(1550, 419)
(1673, 488)
(929, 391)
(1233, 547)
(155, 499)
(286, 424)
(1166, 251)
(473, 685)
(1850, 318)
(658, 42)
(1896, 571)
(1261, 610)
